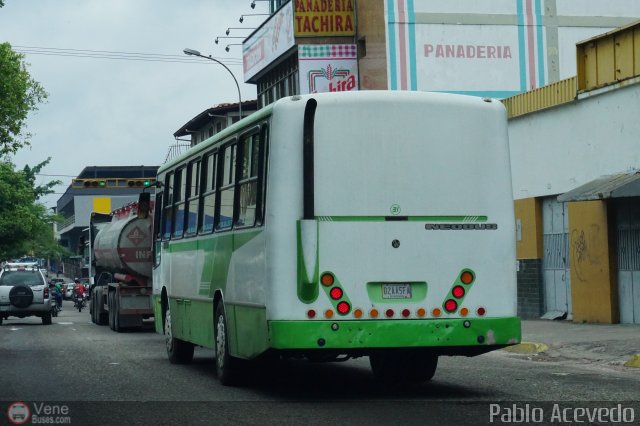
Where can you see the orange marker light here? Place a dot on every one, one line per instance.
(464, 312)
(327, 279)
(466, 277)
(421, 312)
(436, 312)
(328, 313)
(357, 313)
(374, 313)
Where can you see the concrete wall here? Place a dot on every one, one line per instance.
(561, 148)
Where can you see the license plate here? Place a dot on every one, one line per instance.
(396, 291)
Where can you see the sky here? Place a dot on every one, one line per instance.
(122, 112)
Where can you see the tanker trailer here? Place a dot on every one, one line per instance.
(121, 251)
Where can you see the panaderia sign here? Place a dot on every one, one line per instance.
(314, 18)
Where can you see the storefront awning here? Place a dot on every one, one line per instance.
(610, 186)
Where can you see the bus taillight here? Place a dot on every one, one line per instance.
(357, 313)
(458, 291)
(389, 313)
(327, 279)
(467, 277)
(336, 293)
(373, 313)
(481, 312)
(311, 313)
(450, 305)
(406, 313)
(343, 308)
(421, 312)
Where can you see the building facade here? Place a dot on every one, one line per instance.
(575, 150)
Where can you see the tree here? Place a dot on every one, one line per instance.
(19, 95)
(26, 226)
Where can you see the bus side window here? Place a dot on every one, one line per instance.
(193, 193)
(227, 187)
(248, 183)
(158, 217)
(208, 193)
(262, 174)
(167, 217)
(179, 202)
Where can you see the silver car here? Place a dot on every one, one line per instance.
(23, 293)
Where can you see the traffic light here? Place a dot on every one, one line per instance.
(140, 183)
(93, 183)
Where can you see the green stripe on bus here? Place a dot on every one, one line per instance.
(394, 333)
(469, 219)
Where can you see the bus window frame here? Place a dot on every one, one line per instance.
(230, 143)
(204, 192)
(179, 182)
(189, 197)
(249, 133)
(167, 206)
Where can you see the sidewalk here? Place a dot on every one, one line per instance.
(603, 344)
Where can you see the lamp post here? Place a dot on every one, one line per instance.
(227, 48)
(237, 28)
(192, 52)
(251, 14)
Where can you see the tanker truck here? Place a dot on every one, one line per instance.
(121, 295)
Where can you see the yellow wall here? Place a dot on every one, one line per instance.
(529, 213)
(372, 45)
(593, 284)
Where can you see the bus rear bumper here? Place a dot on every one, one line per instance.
(470, 336)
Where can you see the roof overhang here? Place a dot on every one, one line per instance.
(610, 186)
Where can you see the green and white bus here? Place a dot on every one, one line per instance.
(339, 225)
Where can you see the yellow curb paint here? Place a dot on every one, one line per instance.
(527, 348)
(633, 362)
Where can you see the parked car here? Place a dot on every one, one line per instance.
(24, 292)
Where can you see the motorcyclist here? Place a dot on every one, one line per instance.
(57, 293)
(79, 291)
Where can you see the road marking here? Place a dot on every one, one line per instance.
(64, 323)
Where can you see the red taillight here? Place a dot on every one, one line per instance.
(46, 293)
(336, 293)
(450, 305)
(311, 313)
(343, 308)
(458, 292)
(481, 312)
(389, 313)
(406, 313)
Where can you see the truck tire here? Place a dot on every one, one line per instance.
(102, 317)
(110, 310)
(227, 368)
(178, 351)
(116, 313)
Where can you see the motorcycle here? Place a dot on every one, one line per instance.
(54, 309)
(79, 303)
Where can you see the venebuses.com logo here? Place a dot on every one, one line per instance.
(20, 413)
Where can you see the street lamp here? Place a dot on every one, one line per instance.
(216, 40)
(252, 14)
(232, 44)
(253, 3)
(237, 28)
(192, 52)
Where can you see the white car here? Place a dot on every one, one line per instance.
(24, 292)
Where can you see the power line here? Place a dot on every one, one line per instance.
(106, 54)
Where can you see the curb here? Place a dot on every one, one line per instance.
(531, 348)
(634, 361)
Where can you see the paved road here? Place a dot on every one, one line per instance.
(78, 364)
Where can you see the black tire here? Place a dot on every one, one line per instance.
(110, 313)
(403, 366)
(1, 318)
(92, 311)
(227, 368)
(178, 351)
(54, 312)
(21, 296)
(46, 319)
(116, 313)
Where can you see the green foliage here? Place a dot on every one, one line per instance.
(26, 226)
(19, 95)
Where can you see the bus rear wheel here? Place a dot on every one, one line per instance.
(178, 351)
(226, 365)
(403, 366)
